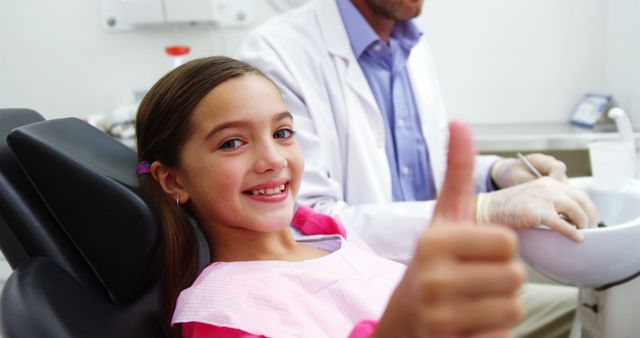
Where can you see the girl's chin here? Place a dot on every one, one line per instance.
(276, 222)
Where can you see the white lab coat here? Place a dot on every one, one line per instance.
(340, 128)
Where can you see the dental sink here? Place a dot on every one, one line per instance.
(608, 255)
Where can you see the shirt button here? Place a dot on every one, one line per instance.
(400, 123)
(405, 170)
(377, 47)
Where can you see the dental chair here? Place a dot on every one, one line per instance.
(27, 227)
(84, 243)
(16, 191)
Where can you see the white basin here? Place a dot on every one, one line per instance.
(606, 256)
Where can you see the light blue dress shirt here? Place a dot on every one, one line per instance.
(384, 66)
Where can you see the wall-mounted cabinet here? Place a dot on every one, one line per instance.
(123, 15)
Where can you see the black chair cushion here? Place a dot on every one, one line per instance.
(46, 301)
(27, 227)
(88, 181)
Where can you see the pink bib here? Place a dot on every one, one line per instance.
(322, 297)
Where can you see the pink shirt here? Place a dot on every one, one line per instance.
(323, 297)
(363, 329)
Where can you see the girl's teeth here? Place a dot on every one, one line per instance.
(269, 191)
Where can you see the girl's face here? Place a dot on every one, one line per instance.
(241, 165)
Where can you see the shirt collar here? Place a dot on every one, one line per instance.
(407, 33)
(361, 35)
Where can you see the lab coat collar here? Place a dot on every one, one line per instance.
(332, 27)
(337, 41)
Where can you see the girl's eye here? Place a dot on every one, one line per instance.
(231, 144)
(283, 133)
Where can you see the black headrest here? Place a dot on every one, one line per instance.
(88, 181)
(15, 188)
(16, 117)
(30, 229)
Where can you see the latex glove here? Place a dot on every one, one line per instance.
(544, 201)
(508, 172)
(463, 279)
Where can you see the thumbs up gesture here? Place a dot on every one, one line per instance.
(463, 280)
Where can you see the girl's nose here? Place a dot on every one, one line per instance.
(269, 158)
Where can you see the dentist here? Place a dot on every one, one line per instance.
(360, 81)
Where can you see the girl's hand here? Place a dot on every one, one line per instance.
(463, 280)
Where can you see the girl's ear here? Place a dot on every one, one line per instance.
(169, 181)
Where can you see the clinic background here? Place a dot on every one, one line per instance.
(499, 61)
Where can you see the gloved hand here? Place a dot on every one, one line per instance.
(508, 172)
(544, 201)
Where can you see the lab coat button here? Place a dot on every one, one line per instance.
(405, 170)
(377, 47)
(400, 123)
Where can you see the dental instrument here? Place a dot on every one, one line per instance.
(529, 166)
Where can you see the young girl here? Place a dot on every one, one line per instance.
(216, 143)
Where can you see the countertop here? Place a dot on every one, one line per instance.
(537, 137)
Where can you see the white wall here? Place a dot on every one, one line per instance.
(56, 58)
(623, 55)
(516, 60)
(499, 61)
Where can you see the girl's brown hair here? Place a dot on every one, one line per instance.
(162, 128)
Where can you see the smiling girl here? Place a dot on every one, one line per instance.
(216, 143)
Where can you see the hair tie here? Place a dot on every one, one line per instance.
(143, 168)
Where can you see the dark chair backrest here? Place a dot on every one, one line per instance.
(87, 181)
(27, 227)
(15, 188)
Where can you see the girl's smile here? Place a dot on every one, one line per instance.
(272, 191)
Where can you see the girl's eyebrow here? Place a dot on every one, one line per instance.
(244, 123)
(226, 125)
(282, 116)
